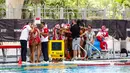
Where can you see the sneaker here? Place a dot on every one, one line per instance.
(23, 62)
(45, 61)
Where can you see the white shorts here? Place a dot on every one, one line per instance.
(75, 43)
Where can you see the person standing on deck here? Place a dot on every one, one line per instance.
(35, 45)
(90, 36)
(44, 41)
(23, 40)
(75, 30)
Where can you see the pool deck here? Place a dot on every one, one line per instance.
(81, 63)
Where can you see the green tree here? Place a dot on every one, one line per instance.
(114, 8)
(2, 8)
(2, 1)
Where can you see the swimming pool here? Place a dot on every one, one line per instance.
(64, 68)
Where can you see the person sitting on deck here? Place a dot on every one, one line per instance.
(102, 36)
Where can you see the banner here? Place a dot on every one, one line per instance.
(7, 30)
(121, 29)
(10, 29)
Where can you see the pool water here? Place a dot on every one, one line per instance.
(61, 68)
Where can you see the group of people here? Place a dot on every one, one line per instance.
(85, 36)
(73, 35)
(38, 41)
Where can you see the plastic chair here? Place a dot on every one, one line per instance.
(97, 45)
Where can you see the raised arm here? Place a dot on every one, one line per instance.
(83, 34)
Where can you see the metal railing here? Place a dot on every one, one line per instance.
(83, 50)
(126, 14)
(94, 48)
(30, 12)
(86, 51)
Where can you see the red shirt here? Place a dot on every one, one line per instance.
(45, 30)
(44, 38)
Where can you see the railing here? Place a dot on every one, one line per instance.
(94, 48)
(83, 50)
(30, 12)
(71, 13)
(86, 51)
(126, 14)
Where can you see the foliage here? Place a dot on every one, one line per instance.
(2, 1)
(73, 8)
(2, 8)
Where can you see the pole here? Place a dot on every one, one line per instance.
(113, 48)
(61, 13)
(114, 35)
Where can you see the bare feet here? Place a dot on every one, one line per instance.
(37, 61)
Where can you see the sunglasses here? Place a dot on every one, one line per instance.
(89, 28)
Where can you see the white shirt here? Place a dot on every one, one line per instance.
(25, 32)
(44, 39)
(90, 35)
